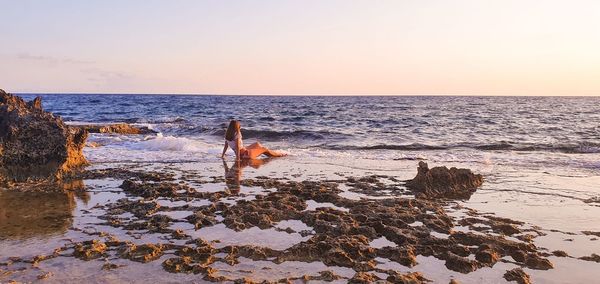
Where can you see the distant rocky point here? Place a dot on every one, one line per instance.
(35, 145)
(119, 128)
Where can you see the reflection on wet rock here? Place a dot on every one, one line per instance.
(27, 214)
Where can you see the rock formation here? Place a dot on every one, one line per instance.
(120, 128)
(517, 275)
(443, 182)
(34, 144)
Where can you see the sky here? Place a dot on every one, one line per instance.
(307, 47)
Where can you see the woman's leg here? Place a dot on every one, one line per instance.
(257, 149)
(253, 153)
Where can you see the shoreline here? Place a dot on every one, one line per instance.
(211, 179)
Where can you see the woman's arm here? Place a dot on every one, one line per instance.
(224, 150)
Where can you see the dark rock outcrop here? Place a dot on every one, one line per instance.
(440, 182)
(119, 128)
(594, 257)
(35, 144)
(517, 275)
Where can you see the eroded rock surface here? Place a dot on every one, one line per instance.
(593, 257)
(443, 182)
(119, 128)
(517, 275)
(340, 237)
(338, 234)
(35, 144)
(89, 250)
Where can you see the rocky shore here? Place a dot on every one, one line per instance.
(35, 144)
(355, 228)
(340, 233)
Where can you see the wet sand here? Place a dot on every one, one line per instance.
(296, 220)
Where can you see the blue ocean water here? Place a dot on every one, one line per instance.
(546, 124)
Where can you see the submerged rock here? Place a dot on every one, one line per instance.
(443, 182)
(594, 257)
(119, 128)
(89, 250)
(560, 253)
(142, 253)
(363, 277)
(35, 144)
(411, 277)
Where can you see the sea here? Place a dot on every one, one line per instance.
(561, 132)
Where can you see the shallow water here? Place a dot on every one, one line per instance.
(482, 129)
(79, 211)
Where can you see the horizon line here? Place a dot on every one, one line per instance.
(296, 95)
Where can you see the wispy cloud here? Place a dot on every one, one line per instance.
(97, 73)
(108, 79)
(50, 60)
(91, 71)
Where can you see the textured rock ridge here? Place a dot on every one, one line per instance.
(443, 182)
(119, 128)
(34, 144)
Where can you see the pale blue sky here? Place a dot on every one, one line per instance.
(473, 47)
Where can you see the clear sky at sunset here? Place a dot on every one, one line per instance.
(478, 47)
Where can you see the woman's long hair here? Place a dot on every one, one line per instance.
(232, 129)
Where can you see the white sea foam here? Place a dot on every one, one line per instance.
(69, 122)
(172, 143)
(152, 148)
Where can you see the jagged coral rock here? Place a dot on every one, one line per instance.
(120, 128)
(517, 275)
(142, 253)
(89, 250)
(35, 144)
(443, 182)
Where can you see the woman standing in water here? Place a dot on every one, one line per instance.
(233, 140)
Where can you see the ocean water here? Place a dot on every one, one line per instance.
(557, 132)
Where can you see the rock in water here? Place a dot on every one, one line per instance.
(443, 182)
(119, 128)
(34, 144)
